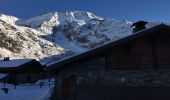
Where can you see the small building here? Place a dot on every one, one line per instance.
(140, 25)
(136, 67)
(20, 70)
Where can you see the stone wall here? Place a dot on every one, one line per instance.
(93, 73)
(124, 78)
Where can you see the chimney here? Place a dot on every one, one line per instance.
(6, 58)
(140, 25)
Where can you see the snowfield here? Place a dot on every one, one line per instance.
(27, 92)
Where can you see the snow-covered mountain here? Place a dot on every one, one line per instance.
(55, 35)
(81, 30)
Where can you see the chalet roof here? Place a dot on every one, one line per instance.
(14, 62)
(57, 65)
(20, 66)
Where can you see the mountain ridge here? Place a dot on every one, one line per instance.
(52, 36)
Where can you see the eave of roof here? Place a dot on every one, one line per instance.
(14, 63)
(20, 67)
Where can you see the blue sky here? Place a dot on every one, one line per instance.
(133, 10)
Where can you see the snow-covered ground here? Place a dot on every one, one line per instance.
(27, 91)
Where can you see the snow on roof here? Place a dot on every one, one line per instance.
(3, 75)
(14, 62)
(65, 58)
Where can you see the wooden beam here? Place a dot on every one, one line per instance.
(154, 52)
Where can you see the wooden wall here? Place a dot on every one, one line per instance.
(163, 49)
(144, 52)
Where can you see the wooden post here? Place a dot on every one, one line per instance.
(49, 80)
(41, 84)
(15, 86)
(14, 80)
(69, 86)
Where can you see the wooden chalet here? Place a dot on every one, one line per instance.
(20, 70)
(136, 67)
